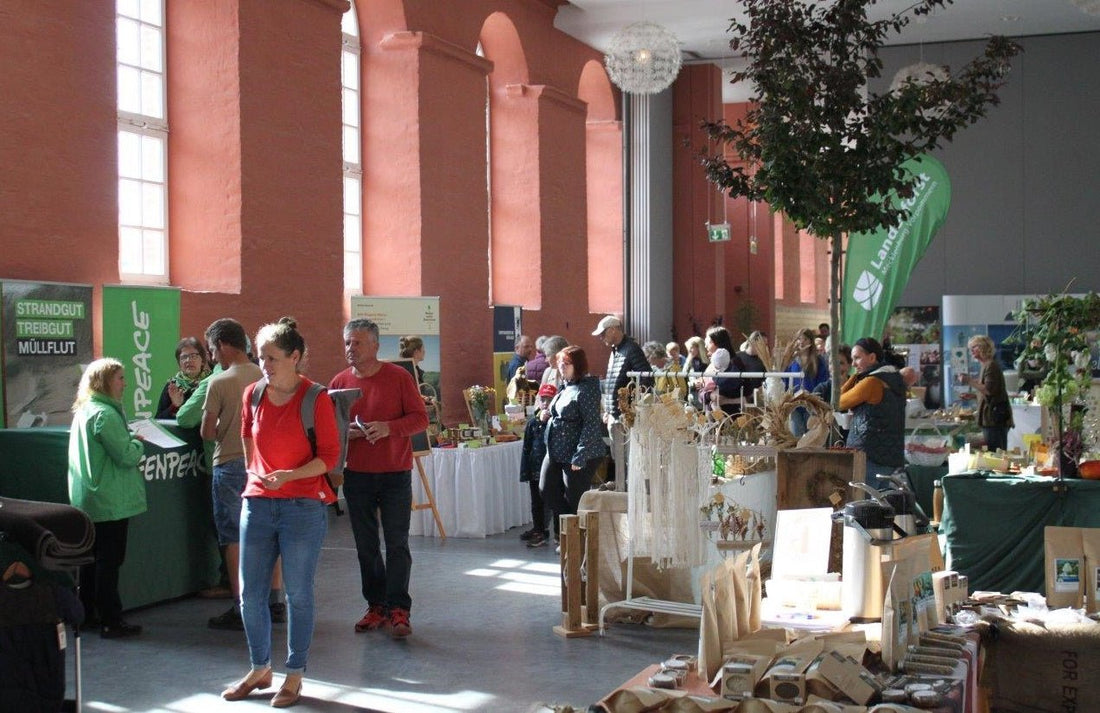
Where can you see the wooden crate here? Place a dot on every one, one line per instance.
(818, 478)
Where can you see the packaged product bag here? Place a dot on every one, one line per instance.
(1064, 566)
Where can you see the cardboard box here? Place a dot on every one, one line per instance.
(849, 676)
(788, 687)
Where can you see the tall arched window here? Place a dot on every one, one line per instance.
(142, 140)
(353, 162)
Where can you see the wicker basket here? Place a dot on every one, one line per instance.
(928, 449)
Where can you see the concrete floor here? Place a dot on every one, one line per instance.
(482, 641)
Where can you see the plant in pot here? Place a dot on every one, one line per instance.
(815, 143)
(1055, 331)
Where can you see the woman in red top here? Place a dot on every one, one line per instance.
(283, 512)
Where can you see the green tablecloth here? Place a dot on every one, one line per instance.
(993, 525)
(172, 550)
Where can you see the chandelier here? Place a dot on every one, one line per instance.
(919, 73)
(643, 58)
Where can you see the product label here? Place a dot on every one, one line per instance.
(1067, 574)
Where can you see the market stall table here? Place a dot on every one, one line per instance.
(993, 525)
(477, 491)
(172, 550)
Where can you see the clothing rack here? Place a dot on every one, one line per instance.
(663, 606)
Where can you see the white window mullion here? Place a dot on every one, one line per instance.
(352, 153)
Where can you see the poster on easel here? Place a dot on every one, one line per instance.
(399, 317)
(47, 342)
(141, 327)
(507, 327)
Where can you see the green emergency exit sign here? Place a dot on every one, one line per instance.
(718, 233)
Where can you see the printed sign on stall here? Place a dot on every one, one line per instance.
(47, 334)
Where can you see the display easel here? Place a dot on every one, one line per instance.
(662, 606)
(430, 504)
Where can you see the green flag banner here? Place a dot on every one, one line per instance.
(141, 326)
(880, 262)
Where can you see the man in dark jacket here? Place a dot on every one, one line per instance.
(626, 356)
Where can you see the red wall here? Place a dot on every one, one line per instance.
(255, 187)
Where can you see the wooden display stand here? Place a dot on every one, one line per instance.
(580, 543)
(430, 505)
(817, 478)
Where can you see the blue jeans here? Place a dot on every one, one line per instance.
(225, 489)
(294, 529)
(385, 582)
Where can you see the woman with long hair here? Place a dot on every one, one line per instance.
(104, 482)
(730, 390)
(283, 512)
(815, 371)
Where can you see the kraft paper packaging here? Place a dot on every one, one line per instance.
(1064, 566)
(897, 617)
(1091, 540)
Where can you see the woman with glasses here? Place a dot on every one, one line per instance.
(193, 368)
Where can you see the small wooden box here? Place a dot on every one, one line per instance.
(818, 478)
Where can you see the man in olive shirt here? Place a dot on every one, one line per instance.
(221, 423)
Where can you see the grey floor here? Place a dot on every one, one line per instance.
(482, 616)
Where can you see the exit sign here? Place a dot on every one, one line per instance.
(719, 233)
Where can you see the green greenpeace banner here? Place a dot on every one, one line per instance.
(141, 326)
(879, 263)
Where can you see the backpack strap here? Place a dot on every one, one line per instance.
(309, 406)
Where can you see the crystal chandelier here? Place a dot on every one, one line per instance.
(643, 58)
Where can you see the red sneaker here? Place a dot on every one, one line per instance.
(374, 618)
(399, 623)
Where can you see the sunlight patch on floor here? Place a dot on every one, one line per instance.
(541, 590)
(541, 578)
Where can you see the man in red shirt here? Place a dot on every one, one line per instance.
(378, 476)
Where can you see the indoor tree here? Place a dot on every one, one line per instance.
(815, 143)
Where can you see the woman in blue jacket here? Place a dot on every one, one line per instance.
(104, 482)
(574, 434)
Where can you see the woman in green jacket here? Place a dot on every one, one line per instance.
(104, 482)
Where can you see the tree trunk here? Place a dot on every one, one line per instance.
(836, 286)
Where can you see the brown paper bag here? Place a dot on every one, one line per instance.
(731, 607)
(1064, 566)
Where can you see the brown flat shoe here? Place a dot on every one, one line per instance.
(242, 688)
(287, 696)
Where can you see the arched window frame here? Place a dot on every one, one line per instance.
(142, 102)
(350, 78)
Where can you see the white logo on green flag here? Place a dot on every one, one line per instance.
(879, 263)
(868, 291)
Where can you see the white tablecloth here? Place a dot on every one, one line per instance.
(477, 491)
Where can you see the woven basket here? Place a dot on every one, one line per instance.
(929, 449)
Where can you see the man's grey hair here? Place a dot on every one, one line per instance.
(361, 324)
(553, 345)
(654, 350)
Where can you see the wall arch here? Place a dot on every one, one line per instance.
(378, 18)
(513, 177)
(604, 189)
